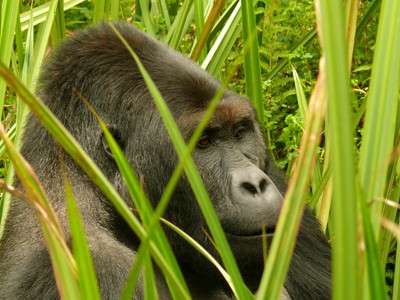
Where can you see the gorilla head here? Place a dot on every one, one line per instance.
(243, 183)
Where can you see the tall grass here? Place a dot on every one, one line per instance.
(354, 187)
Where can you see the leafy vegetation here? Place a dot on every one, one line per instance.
(324, 79)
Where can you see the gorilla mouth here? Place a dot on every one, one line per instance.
(267, 233)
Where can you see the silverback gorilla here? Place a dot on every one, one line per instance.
(243, 183)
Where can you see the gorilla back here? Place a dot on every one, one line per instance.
(243, 183)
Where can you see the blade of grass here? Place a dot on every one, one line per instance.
(164, 9)
(224, 42)
(301, 97)
(133, 276)
(392, 192)
(345, 252)
(98, 12)
(114, 9)
(352, 7)
(211, 19)
(378, 141)
(223, 19)
(251, 59)
(150, 290)
(41, 45)
(178, 27)
(380, 119)
(146, 17)
(202, 251)
(374, 274)
(199, 14)
(40, 13)
(19, 46)
(9, 15)
(58, 29)
(87, 276)
(302, 103)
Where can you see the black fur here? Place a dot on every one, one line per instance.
(96, 64)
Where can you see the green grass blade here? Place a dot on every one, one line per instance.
(41, 45)
(179, 26)
(223, 19)
(199, 14)
(133, 277)
(301, 97)
(86, 273)
(202, 251)
(383, 99)
(224, 42)
(199, 47)
(58, 30)
(114, 9)
(19, 45)
(344, 250)
(9, 15)
(9, 20)
(150, 290)
(164, 9)
(251, 59)
(39, 14)
(378, 140)
(375, 274)
(98, 13)
(146, 17)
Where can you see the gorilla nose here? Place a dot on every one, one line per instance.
(256, 199)
(251, 182)
(254, 188)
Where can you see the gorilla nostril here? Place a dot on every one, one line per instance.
(249, 187)
(263, 185)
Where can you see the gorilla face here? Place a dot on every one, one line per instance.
(232, 160)
(231, 156)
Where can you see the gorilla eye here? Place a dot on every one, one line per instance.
(241, 129)
(204, 142)
(239, 132)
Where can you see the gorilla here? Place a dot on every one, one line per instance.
(244, 184)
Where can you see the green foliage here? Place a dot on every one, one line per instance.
(268, 49)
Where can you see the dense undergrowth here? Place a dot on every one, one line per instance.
(354, 178)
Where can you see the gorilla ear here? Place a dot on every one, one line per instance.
(117, 137)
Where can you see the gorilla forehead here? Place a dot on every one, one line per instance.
(231, 109)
